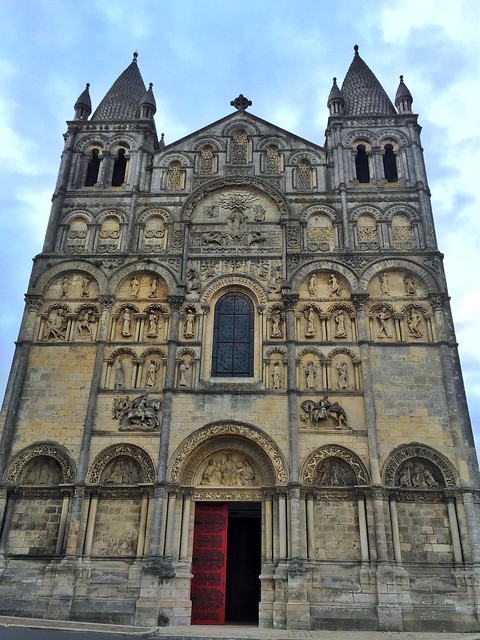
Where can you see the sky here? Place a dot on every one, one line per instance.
(282, 55)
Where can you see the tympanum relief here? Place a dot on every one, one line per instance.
(228, 469)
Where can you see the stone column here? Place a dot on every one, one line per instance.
(362, 526)
(282, 528)
(185, 528)
(268, 529)
(142, 526)
(63, 524)
(310, 527)
(169, 534)
(7, 521)
(92, 514)
(454, 530)
(397, 551)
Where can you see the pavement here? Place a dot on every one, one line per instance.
(228, 632)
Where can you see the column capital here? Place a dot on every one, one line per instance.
(359, 300)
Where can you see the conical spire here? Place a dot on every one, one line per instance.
(335, 100)
(403, 98)
(148, 106)
(83, 105)
(362, 92)
(122, 101)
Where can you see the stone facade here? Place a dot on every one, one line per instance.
(241, 325)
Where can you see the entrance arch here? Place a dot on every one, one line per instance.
(233, 474)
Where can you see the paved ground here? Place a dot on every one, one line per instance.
(11, 627)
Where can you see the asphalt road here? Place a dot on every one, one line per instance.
(20, 633)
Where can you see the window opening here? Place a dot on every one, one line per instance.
(233, 336)
(390, 164)
(361, 164)
(93, 168)
(119, 169)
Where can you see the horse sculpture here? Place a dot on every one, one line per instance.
(318, 411)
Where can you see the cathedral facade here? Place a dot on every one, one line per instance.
(236, 394)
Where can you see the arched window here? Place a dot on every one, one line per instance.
(390, 164)
(119, 169)
(304, 175)
(361, 164)
(233, 336)
(93, 168)
(207, 160)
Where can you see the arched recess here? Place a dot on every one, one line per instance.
(417, 451)
(336, 518)
(382, 265)
(139, 266)
(186, 467)
(221, 183)
(323, 265)
(39, 286)
(43, 476)
(120, 486)
(334, 451)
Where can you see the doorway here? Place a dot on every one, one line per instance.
(226, 563)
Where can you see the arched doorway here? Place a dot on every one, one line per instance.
(231, 473)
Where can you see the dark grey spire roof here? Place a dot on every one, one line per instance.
(335, 93)
(122, 101)
(149, 98)
(363, 93)
(402, 91)
(84, 100)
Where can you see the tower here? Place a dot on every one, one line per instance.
(236, 393)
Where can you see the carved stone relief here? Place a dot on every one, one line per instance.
(56, 323)
(189, 323)
(42, 470)
(334, 472)
(121, 470)
(139, 414)
(147, 471)
(43, 451)
(86, 323)
(337, 454)
(228, 468)
(314, 413)
(434, 462)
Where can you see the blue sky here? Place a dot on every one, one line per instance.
(281, 54)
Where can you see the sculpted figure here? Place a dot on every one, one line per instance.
(56, 325)
(189, 323)
(85, 286)
(414, 322)
(139, 414)
(119, 375)
(229, 471)
(121, 471)
(275, 280)
(208, 475)
(311, 329)
(342, 375)
(310, 375)
(318, 411)
(184, 374)
(384, 286)
(85, 324)
(153, 322)
(276, 376)
(193, 281)
(335, 289)
(153, 288)
(246, 475)
(127, 323)
(134, 287)
(383, 317)
(340, 331)
(410, 285)
(152, 370)
(276, 324)
(65, 286)
(312, 286)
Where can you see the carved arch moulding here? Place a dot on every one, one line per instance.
(221, 436)
(216, 184)
(418, 450)
(231, 282)
(44, 449)
(121, 450)
(334, 451)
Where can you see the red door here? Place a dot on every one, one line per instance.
(209, 563)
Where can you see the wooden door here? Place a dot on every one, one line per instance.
(209, 563)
